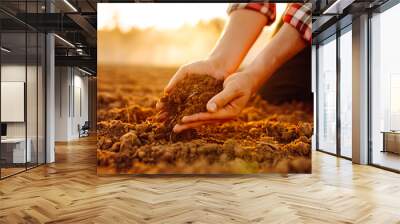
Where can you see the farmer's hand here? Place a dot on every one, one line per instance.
(239, 86)
(240, 32)
(207, 67)
(224, 106)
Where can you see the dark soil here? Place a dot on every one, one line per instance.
(190, 96)
(264, 138)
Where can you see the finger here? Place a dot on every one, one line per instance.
(181, 127)
(221, 99)
(162, 116)
(159, 105)
(222, 114)
(180, 74)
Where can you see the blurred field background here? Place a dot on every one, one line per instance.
(167, 34)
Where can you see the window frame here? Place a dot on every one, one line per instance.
(381, 9)
(27, 29)
(333, 37)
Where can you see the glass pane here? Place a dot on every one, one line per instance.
(385, 87)
(41, 98)
(31, 87)
(346, 94)
(31, 97)
(13, 86)
(327, 97)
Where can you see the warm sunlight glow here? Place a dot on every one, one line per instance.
(157, 15)
(166, 33)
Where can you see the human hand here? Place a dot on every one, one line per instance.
(207, 67)
(224, 106)
(240, 32)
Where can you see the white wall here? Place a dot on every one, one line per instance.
(71, 93)
(80, 110)
(33, 127)
(62, 81)
(17, 73)
(14, 73)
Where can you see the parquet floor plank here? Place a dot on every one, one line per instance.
(69, 191)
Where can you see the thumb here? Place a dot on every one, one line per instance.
(221, 99)
(180, 74)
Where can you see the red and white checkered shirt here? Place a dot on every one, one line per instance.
(297, 14)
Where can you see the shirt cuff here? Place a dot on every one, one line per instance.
(267, 9)
(299, 15)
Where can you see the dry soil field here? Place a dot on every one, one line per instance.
(264, 138)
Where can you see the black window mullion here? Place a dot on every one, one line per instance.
(45, 93)
(370, 148)
(44, 71)
(369, 91)
(316, 97)
(37, 90)
(338, 91)
(26, 87)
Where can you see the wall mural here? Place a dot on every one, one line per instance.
(203, 89)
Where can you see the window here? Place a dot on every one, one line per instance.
(15, 150)
(346, 93)
(385, 89)
(22, 88)
(327, 96)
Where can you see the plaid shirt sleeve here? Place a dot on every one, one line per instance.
(299, 16)
(267, 9)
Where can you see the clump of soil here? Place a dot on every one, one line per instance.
(264, 138)
(189, 96)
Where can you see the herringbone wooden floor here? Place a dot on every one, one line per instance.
(69, 191)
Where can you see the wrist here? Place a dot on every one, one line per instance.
(261, 70)
(254, 75)
(220, 66)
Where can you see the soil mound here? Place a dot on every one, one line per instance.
(189, 96)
